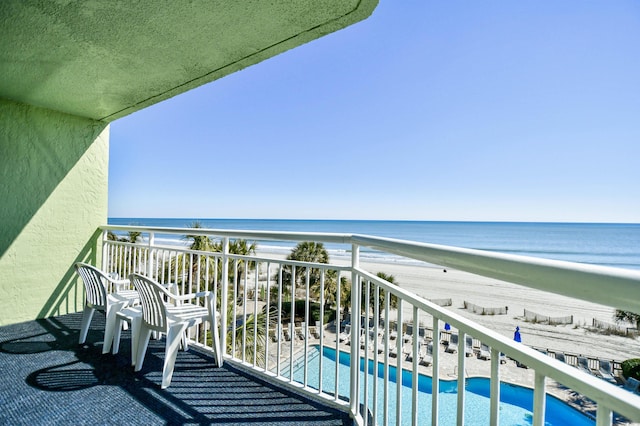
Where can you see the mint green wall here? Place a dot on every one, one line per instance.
(53, 197)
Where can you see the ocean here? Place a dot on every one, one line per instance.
(608, 244)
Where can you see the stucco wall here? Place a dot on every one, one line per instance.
(53, 196)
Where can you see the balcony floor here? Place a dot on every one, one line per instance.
(47, 378)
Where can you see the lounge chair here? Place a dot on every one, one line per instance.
(426, 354)
(503, 358)
(452, 347)
(345, 336)
(583, 364)
(289, 333)
(632, 385)
(468, 346)
(485, 352)
(606, 372)
(393, 352)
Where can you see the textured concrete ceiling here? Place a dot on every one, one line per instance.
(104, 59)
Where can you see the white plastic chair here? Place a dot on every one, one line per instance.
(105, 294)
(165, 312)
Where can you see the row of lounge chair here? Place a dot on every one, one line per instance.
(291, 332)
(604, 370)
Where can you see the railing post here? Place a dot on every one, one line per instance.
(494, 402)
(462, 349)
(152, 241)
(355, 331)
(539, 399)
(104, 261)
(225, 294)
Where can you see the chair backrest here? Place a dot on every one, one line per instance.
(583, 361)
(560, 356)
(152, 297)
(453, 339)
(94, 284)
(605, 366)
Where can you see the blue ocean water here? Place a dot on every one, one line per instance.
(606, 244)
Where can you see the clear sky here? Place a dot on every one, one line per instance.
(428, 110)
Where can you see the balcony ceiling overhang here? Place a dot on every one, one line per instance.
(104, 59)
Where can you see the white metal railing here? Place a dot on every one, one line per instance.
(266, 302)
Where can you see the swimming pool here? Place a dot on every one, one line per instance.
(516, 402)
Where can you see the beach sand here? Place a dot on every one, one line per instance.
(576, 338)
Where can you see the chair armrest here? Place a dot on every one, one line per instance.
(192, 295)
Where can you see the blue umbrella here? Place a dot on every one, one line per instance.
(516, 335)
(447, 326)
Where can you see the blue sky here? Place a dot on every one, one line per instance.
(465, 110)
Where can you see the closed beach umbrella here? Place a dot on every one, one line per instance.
(516, 335)
(447, 326)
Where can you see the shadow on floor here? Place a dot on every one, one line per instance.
(49, 379)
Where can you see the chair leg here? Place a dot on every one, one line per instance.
(87, 314)
(110, 324)
(215, 335)
(173, 339)
(141, 350)
(136, 322)
(116, 335)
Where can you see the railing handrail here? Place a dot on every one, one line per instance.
(577, 280)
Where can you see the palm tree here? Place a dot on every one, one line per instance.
(311, 252)
(393, 299)
(627, 316)
(126, 260)
(187, 267)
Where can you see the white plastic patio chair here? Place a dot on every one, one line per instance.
(105, 294)
(165, 312)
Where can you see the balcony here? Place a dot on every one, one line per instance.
(293, 328)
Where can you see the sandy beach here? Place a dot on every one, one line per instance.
(576, 338)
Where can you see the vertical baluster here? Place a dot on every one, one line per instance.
(278, 362)
(320, 330)
(354, 385)
(435, 376)
(365, 305)
(255, 313)
(376, 343)
(414, 376)
(399, 344)
(539, 399)
(338, 330)
(234, 315)
(462, 349)
(494, 402)
(292, 321)
(225, 293)
(604, 416)
(385, 382)
(306, 325)
(245, 285)
(267, 322)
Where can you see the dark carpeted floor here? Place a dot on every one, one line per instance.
(47, 378)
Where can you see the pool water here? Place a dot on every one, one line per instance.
(516, 402)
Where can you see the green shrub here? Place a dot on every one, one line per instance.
(631, 368)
